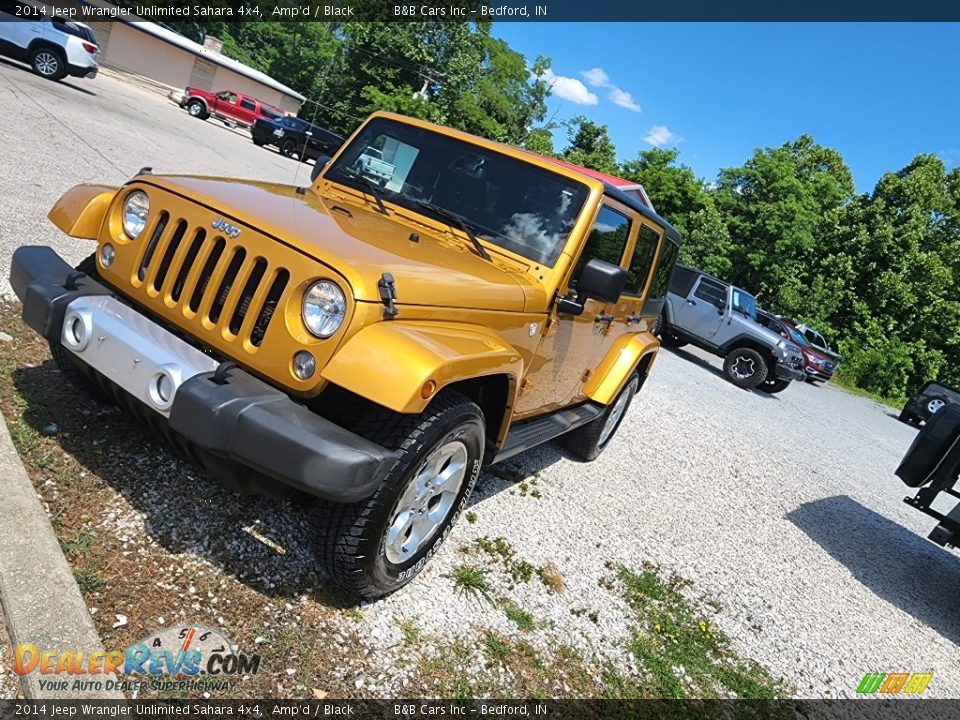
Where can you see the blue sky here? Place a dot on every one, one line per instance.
(878, 93)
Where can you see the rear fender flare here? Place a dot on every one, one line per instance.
(81, 211)
(627, 353)
(390, 362)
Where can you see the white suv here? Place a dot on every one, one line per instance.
(54, 46)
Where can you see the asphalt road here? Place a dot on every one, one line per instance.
(784, 508)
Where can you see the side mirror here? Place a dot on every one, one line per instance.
(720, 306)
(598, 280)
(318, 165)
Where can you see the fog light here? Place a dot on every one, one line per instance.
(304, 366)
(107, 255)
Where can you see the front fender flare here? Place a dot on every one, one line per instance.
(80, 212)
(612, 372)
(389, 362)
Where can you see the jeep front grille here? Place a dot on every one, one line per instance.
(211, 278)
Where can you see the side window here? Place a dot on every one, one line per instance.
(711, 291)
(248, 104)
(662, 275)
(606, 241)
(682, 280)
(643, 255)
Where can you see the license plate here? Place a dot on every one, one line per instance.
(278, 133)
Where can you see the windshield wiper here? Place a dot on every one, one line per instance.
(372, 188)
(459, 222)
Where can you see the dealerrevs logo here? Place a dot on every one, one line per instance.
(185, 651)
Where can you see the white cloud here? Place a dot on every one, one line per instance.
(597, 77)
(624, 100)
(660, 135)
(568, 88)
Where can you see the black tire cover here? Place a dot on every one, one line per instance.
(933, 441)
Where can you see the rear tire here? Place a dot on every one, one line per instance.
(745, 368)
(587, 442)
(66, 361)
(907, 417)
(371, 548)
(48, 63)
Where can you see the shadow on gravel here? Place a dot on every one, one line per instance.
(920, 578)
(707, 365)
(26, 68)
(267, 544)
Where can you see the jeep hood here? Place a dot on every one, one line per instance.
(361, 244)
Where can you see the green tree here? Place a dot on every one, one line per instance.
(589, 145)
(674, 190)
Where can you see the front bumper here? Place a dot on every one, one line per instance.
(785, 372)
(239, 427)
(817, 374)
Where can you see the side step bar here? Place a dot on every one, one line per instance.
(543, 429)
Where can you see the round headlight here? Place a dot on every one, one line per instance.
(135, 211)
(323, 308)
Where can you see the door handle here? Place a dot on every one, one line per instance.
(691, 302)
(633, 319)
(603, 318)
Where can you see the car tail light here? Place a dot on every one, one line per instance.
(91, 48)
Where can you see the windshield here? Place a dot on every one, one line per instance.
(745, 303)
(511, 203)
(798, 338)
(270, 114)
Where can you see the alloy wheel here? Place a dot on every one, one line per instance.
(743, 368)
(426, 502)
(47, 63)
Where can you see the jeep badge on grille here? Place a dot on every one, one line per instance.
(225, 227)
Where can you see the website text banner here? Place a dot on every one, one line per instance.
(510, 10)
(417, 708)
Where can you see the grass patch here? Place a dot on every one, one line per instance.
(89, 581)
(496, 647)
(411, 633)
(79, 544)
(551, 578)
(847, 386)
(471, 517)
(517, 615)
(471, 580)
(681, 653)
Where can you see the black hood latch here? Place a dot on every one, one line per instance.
(388, 293)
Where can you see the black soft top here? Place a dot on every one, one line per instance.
(634, 204)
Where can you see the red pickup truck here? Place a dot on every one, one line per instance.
(228, 105)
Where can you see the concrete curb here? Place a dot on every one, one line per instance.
(42, 604)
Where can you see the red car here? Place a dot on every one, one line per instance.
(228, 105)
(817, 366)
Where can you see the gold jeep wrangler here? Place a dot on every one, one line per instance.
(432, 303)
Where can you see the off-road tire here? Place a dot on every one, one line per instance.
(352, 537)
(930, 447)
(907, 417)
(668, 339)
(584, 442)
(288, 148)
(748, 355)
(773, 385)
(196, 108)
(66, 361)
(48, 62)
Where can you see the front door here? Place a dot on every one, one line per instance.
(572, 344)
(703, 311)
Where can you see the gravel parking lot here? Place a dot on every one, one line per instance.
(782, 510)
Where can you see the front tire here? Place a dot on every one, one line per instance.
(376, 546)
(48, 63)
(196, 108)
(587, 442)
(288, 148)
(745, 368)
(773, 385)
